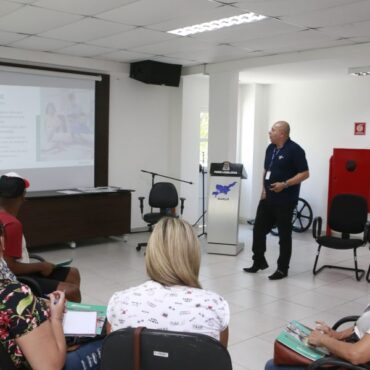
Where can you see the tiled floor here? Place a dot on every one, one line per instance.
(259, 307)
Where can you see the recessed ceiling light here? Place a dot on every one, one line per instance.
(217, 24)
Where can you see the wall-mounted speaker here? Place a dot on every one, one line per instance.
(157, 73)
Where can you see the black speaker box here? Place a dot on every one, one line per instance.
(156, 73)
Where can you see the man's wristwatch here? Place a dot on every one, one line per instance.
(286, 184)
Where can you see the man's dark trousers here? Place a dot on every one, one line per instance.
(268, 216)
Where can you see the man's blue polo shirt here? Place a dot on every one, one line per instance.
(284, 163)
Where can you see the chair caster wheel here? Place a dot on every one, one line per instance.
(138, 248)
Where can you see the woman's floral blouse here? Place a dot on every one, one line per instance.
(20, 313)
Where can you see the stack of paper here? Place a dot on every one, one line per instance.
(79, 323)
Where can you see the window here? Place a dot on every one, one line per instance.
(203, 147)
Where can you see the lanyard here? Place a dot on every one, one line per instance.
(274, 154)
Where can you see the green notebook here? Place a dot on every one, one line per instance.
(100, 310)
(295, 335)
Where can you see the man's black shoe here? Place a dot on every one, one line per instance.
(278, 274)
(256, 267)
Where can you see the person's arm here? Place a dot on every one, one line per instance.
(356, 353)
(18, 268)
(44, 346)
(224, 337)
(263, 194)
(277, 187)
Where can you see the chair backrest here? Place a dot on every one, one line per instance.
(348, 213)
(163, 195)
(164, 350)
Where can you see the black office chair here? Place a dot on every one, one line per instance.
(163, 195)
(347, 215)
(31, 282)
(149, 349)
(337, 363)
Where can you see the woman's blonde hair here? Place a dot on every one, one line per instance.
(173, 253)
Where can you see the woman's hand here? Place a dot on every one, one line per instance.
(57, 305)
(316, 337)
(325, 328)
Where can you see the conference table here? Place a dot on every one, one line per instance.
(69, 216)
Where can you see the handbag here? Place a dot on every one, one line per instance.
(286, 356)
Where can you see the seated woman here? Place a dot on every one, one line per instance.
(352, 344)
(31, 330)
(173, 299)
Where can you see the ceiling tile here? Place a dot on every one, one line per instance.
(185, 44)
(293, 41)
(182, 61)
(9, 37)
(135, 38)
(23, 1)
(358, 29)
(354, 12)
(276, 8)
(147, 12)
(83, 7)
(197, 17)
(125, 56)
(248, 31)
(7, 7)
(40, 43)
(86, 29)
(83, 50)
(215, 54)
(32, 20)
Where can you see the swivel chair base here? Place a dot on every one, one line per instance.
(141, 245)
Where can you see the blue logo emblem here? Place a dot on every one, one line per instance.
(223, 189)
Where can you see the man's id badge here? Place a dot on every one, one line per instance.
(268, 174)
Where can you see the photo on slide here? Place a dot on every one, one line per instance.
(65, 126)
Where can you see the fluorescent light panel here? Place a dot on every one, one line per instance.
(218, 23)
(359, 71)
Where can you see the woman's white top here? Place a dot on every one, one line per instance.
(174, 308)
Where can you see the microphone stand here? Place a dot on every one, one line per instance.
(167, 177)
(202, 217)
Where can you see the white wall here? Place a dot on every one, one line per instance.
(253, 140)
(322, 115)
(195, 99)
(143, 129)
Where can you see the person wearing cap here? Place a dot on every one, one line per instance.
(50, 278)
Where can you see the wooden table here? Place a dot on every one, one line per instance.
(50, 217)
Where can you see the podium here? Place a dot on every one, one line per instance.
(223, 208)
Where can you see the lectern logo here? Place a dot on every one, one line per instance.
(223, 189)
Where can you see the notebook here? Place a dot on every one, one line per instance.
(80, 323)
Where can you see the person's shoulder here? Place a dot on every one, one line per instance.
(209, 294)
(148, 285)
(7, 218)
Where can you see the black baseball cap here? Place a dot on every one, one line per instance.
(12, 185)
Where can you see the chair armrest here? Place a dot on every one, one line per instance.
(37, 257)
(182, 201)
(317, 227)
(334, 361)
(141, 200)
(345, 319)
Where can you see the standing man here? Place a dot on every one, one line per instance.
(285, 168)
(50, 277)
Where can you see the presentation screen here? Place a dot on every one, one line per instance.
(47, 128)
